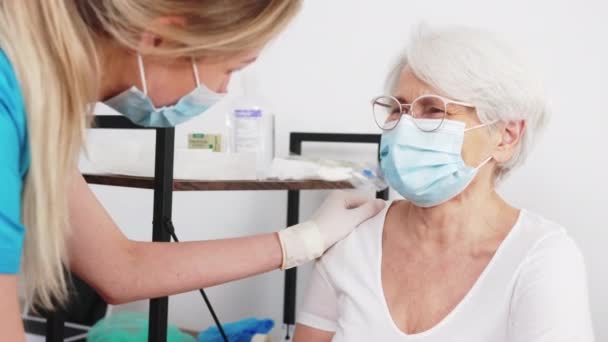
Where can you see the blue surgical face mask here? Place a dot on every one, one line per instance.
(137, 106)
(426, 168)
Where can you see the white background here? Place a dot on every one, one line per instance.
(320, 75)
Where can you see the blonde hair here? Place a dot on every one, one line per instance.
(53, 47)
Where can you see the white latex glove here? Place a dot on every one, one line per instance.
(339, 214)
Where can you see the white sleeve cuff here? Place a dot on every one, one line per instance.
(316, 322)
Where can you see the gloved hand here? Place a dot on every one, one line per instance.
(339, 214)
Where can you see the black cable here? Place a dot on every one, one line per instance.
(287, 329)
(171, 229)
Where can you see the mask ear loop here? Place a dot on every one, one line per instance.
(142, 74)
(483, 163)
(487, 160)
(195, 70)
(481, 125)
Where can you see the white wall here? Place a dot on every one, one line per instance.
(320, 76)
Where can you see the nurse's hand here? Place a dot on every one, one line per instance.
(334, 220)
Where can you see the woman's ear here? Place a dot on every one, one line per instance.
(510, 135)
(151, 40)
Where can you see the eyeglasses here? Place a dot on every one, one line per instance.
(388, 111)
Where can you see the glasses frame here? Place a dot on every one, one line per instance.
(405, 109)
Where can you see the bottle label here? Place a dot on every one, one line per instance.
(248, 113)
(247, 130)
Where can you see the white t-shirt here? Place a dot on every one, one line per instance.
(534, 289)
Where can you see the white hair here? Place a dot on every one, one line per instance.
(478, 67)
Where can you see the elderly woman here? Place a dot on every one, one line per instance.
(453, 261)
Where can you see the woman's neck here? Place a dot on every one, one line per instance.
(470, 219)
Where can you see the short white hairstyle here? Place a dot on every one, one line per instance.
(478, 67)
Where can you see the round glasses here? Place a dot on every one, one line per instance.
(388, 111)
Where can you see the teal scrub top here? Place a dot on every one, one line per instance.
(14, 163)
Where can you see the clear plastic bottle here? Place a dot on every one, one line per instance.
(251, 127)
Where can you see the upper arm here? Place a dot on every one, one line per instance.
(305, 333)
(317, 321)
(550, 302)
(11, 326)
(13, 166)
(12, 171)
(97, 249)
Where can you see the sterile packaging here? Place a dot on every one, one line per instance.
(205, 141)
(359, 174)
(138, 160)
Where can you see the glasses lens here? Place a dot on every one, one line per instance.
(428, 107)
(387, 112)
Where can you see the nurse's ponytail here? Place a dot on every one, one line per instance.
(54, 48)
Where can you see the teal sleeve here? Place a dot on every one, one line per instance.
(14, 162)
